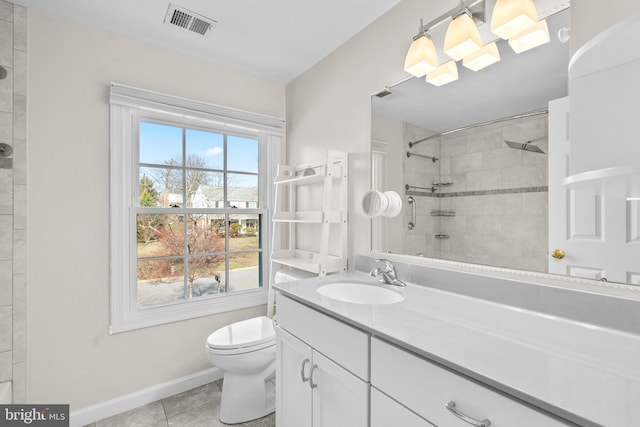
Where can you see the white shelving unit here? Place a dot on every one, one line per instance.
(325, 180)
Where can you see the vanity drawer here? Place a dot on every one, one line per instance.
(426, 388)
(387, 412)
(338, 341)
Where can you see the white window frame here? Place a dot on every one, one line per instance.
(126, 104)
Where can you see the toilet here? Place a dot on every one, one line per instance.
(246, 352)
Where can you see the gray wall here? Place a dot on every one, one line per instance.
(13, 207)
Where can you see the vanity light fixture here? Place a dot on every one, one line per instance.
(486, 56)
(446, 73)
(530, 38)
(462, 37)
(422, 56)
(511, 17)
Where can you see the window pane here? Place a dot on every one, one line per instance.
(244, 271)
(205, 148)
(206, 234)
(160, 235)
(160, 144)
(160, 187)
(160, 281)
(242, 154)
(242, 191)
(205, 189)
(243, 232)
(206, 275)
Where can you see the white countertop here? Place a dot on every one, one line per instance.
(585, 373)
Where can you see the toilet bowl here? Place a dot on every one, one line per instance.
(246, 352)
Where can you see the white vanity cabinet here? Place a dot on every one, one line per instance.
(427, 389)
(322, 369)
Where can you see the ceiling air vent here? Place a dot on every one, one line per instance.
(183, 18)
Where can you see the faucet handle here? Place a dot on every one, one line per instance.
(387, 264)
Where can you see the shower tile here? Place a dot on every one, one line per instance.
(6, 328)
(484, 180)
(6, 229)
(19, 340)
(466, 163)
(6, 366)
(19, 207)
(453, 146)
(6, 191)
(19, 72)
(19, 295)
(6, 127)
(20, 251)
(502, 158)
(20, 383)
(6, 89)
(524, 176)
(19, 161)
(19, 27)
(503, 204)
(484, 140)
(6, 11)
(20, 117)
(6, 291)
(6, 43)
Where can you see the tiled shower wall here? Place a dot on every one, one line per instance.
(498, 194)
(13, 202)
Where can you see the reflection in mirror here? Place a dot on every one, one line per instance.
(473, 156)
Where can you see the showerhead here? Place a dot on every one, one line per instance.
(525, 147)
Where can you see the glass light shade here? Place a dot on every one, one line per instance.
(530, 38)
(421, 57)
(446, 73)
(511, 17)
(486, 56)
(462, 38)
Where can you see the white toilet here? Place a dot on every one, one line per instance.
(246, 352)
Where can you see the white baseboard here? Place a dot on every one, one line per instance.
(143, 397)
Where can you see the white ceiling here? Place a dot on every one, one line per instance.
(275, 39)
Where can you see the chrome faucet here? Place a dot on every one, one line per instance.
(386, 275)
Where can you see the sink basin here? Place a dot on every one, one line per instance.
(359, 293)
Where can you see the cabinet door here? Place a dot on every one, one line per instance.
(293, 394)
(340, 399)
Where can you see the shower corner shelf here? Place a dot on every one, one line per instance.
(441, 236)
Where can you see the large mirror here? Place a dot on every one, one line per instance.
(470, 159)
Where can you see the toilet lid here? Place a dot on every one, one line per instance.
(246, 333)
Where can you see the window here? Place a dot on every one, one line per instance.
(190, 202)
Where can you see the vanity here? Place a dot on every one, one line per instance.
(466, 355)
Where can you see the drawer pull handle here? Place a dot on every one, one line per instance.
(304, 363)
(451, 406)
(311, 383)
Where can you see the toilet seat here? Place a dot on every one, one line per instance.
(243, 337)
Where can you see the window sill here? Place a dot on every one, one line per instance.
(204, 306)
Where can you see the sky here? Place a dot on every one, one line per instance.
(160, 143)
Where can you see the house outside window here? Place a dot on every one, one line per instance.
(190, 207)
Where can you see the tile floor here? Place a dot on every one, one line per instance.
(194, 408)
